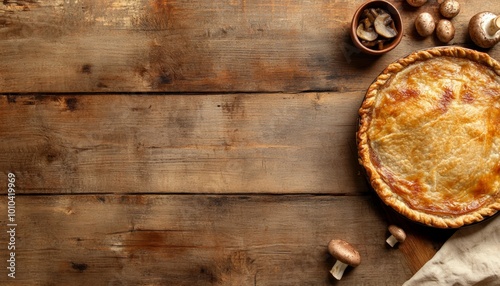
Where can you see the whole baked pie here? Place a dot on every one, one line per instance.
(429, 136)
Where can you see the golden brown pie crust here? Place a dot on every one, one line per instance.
(429, 136)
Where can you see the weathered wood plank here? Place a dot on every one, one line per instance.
(244, 143)
(196, 46)
(197, 240)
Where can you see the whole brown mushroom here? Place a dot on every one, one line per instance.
(425, 24)
(397, 235)
(449, 8)
(416, 3)
(484, 29)
(445, 31)
(345, 254)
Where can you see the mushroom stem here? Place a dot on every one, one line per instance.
(494, 26)
(338, 269)
(391, 240)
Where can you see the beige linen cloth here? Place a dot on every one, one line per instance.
(471, 256)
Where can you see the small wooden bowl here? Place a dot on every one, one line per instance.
(398, 23)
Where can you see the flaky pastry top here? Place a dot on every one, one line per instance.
(429, 136)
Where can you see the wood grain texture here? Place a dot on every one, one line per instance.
(196, 46)
(198, 240)
(255, 143)
(187, 142)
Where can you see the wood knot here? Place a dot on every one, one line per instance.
(71, 103)
(86, 69)
(79, 266)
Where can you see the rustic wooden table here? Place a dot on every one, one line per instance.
(162, 142)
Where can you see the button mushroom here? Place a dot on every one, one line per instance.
(483, 29)
(445, 30)
(397, 235)
(345, 254)
(449, 8)
(416, 3)
(382, 26)
(425, 24)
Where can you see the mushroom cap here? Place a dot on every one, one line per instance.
(416, 3)
(445, 30)
(425, 24)
(449, 8)
(397, 232)
(344, 252)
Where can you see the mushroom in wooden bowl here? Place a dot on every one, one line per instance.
(376, 27)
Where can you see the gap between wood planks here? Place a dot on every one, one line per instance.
(297, 195)
(179, 93)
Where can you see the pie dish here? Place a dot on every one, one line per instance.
(429, 136)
